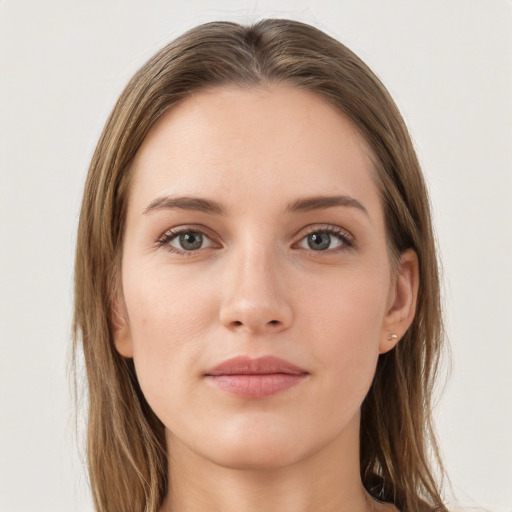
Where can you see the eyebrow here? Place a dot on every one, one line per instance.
(321, 202)
(213, 207)
(186, 203)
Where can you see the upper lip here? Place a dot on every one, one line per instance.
(266, 365)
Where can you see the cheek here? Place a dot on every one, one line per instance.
(349, 309)
(168, 320)
(346, 323)
(163, 309)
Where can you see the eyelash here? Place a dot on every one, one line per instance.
(344, 236)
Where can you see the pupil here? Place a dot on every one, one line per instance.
(319, 241)
(191, 241)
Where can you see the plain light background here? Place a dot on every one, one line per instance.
(448, 64)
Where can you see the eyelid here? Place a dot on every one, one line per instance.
(172, 233)
(343, 234)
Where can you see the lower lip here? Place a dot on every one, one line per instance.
(256, 386)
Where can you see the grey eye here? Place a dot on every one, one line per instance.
(190, 241)
(320, 241)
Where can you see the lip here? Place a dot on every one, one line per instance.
(255, 378)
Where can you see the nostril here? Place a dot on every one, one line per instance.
(238, 323)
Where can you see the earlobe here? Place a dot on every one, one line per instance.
(403, 297)
(120, 329)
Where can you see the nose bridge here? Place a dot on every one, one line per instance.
(255, 298)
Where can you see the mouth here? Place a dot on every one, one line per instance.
(255, 378)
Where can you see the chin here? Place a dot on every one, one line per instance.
(258, 449)
(255, 457)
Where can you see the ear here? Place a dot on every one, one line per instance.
(121, 330)
(402, 301)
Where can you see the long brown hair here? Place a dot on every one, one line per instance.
(125, 441)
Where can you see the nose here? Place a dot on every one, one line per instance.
(254, 298)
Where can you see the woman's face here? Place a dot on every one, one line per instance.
(255, 231)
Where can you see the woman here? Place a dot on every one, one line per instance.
(257, 293)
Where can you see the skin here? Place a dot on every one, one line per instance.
(255, 287)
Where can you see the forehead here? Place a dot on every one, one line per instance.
(236, 144)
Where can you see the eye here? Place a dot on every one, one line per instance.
(187, 240)
(326, 239)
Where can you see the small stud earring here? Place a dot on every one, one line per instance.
(392, 336)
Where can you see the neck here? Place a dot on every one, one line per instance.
(327, 480)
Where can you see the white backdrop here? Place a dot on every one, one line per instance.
(448, 64)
